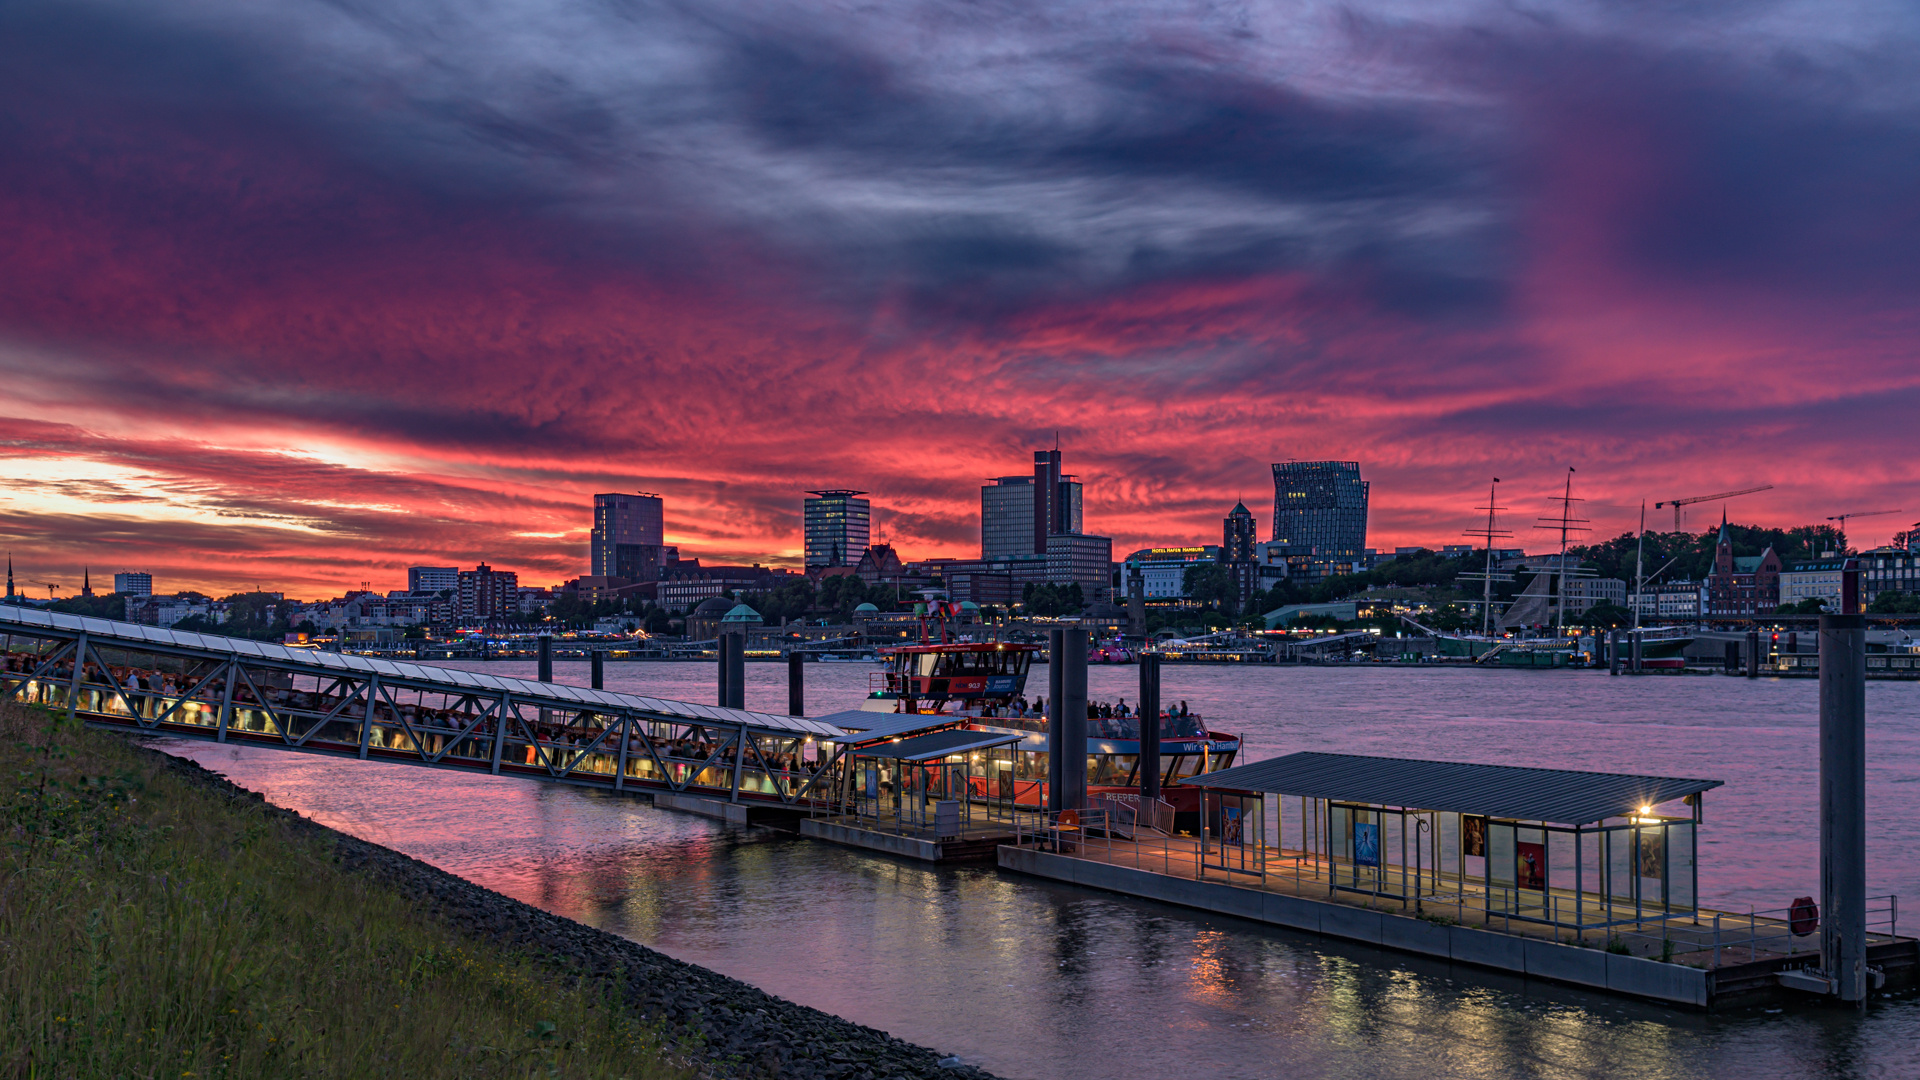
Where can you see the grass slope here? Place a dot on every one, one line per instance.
(150, 927)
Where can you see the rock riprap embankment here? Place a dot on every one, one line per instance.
(722, 1026)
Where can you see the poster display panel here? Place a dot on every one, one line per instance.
(1499, 853)
(1653, 852)
(1530, 865)
(1366, 843)
(1680, 865)
(1473, 835)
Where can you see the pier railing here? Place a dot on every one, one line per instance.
(1695, 935)
(1734, 937)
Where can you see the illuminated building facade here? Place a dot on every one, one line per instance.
(837, 525)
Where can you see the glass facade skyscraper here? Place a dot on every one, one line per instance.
(838, 526)
(1320, 507)
(1006, 517)
(629, 533)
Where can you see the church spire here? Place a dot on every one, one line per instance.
(9, 577)
(86, 582)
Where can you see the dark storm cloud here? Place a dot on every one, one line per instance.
(726, 251)
(1356, 190)
(1794, 168)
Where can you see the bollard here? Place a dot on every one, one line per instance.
(1073, 714)
(599, 669)
(1843, 797)
(1055, 649)
(546, 658)
(796, 683)
(1149, 730)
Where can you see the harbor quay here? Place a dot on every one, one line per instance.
(1581, 878)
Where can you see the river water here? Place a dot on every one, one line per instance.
(1036, 980)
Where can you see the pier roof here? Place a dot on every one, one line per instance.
(939, 744)
(1566, 796)
(867, 726)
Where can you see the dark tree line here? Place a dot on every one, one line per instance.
(1692, 553)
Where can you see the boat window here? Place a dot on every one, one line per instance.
(1110, 770)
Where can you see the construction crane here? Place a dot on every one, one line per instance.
(1842, 519)
(1678, 503)
(50, 586)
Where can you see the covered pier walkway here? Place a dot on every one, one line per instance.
(1557, 873)
(132, 677)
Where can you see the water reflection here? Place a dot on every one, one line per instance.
(1035, 979)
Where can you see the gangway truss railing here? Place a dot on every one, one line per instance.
(134, 677)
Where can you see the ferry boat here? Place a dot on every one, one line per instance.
(982, 685)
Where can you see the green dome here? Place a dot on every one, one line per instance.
(866, 609)
(968, 605)
(743, 614)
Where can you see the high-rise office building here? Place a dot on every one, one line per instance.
(1077, 557)
(838, 526)
(1006, 517)
(133, 583)
(1056, 500)
(432, 579)
(1238, 537)
(1019, 513)
(1320, 507)
(629, 532)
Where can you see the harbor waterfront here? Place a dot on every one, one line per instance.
(1050, 969)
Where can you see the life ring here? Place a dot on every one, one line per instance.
(1803, 917)
(1069, 818)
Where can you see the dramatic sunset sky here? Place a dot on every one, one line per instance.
(297, 294)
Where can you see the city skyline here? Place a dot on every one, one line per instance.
(281, 309)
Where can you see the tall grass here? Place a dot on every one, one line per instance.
(152, 927)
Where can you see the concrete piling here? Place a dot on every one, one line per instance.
(733, 671)
(1056, 664)
(546, 658)
(796, 683)
(1073, 715)
(598, 661)
(1149, 727)
(1843, 803)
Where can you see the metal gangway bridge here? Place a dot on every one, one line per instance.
(137, 678)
